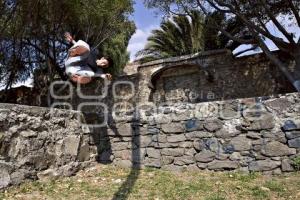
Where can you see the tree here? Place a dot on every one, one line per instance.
(188, 34)
(32, 36)
(256, 16)
(180, 36)
(116, 48)
(214, 39)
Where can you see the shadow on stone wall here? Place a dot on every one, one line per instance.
(103, 139)
(127, 186)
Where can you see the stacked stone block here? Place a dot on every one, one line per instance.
(38, 142)
(259, 134)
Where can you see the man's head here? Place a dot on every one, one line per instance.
(68, 37)
(104, 62)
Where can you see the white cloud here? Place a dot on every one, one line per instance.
(139, 40)
(27, 83)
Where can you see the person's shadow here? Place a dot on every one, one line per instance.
(100, 137)
(126, 188)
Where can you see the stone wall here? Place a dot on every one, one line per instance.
(257, 134)
(207, 76)
(38, 142)
(139, 120)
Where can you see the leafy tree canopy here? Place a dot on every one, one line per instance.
(190, 33)
(180, 36)
(31, 34)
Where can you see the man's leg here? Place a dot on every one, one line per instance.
(80, 48)
(80, 74)
(72, 61)
(72, 70)
(86, 72)
(78, 53)
(80, 79)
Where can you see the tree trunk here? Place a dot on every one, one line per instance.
(284, 69)
(294, 80)
(297, 72)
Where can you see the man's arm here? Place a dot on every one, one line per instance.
(77, 51)
(106, 76)
(99, 73)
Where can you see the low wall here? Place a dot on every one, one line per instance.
(37, 142)
(261, 134)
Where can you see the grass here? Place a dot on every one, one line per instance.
(259, 193)
(108, 182)
(296, 163)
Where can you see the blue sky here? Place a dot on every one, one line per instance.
(145, 20)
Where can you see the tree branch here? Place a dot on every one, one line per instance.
(227, 34)
(276, 61)
(295, 12)
(258, 17)
(217, 8)
(52, 61)
(278, 41)
(277, 24)
(244, 51)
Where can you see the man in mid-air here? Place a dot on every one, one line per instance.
(82, 64)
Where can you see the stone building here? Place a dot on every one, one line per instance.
(208, 76)
(202, 77)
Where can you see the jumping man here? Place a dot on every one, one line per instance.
(82, 64)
